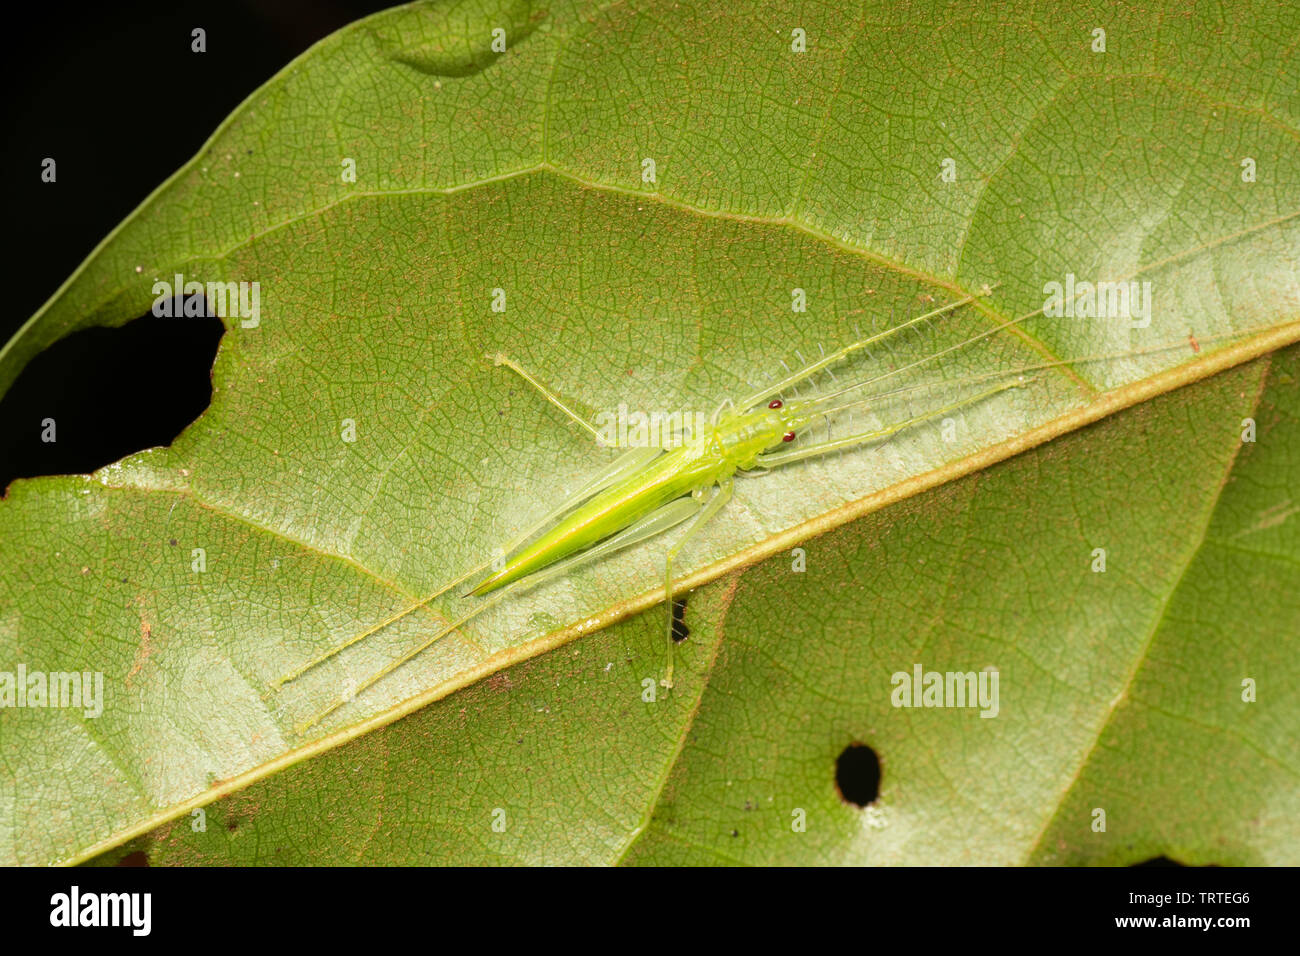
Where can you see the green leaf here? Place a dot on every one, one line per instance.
(524, 171)
(1119, 690)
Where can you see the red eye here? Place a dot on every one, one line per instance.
(774, 403)
(788, 436)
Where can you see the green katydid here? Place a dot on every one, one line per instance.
(647, 491)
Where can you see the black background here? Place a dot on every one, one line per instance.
(917, 910)
(113, 93)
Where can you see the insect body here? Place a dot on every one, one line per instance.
(647, 491)
(736, 442)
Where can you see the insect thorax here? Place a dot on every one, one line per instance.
(741, 438)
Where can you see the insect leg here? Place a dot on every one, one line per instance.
(794, 378)
(776, 459)
(626, 464)
(550, 396)
(714, 505)
(657, 522)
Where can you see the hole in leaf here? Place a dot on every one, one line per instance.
(857, 775)
(680, 631)
(102, 394)
(137, 858)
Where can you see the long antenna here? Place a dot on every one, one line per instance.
(1193, 347)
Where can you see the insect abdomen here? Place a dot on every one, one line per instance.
(672, 476)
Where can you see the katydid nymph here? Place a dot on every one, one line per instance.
(647, 491)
